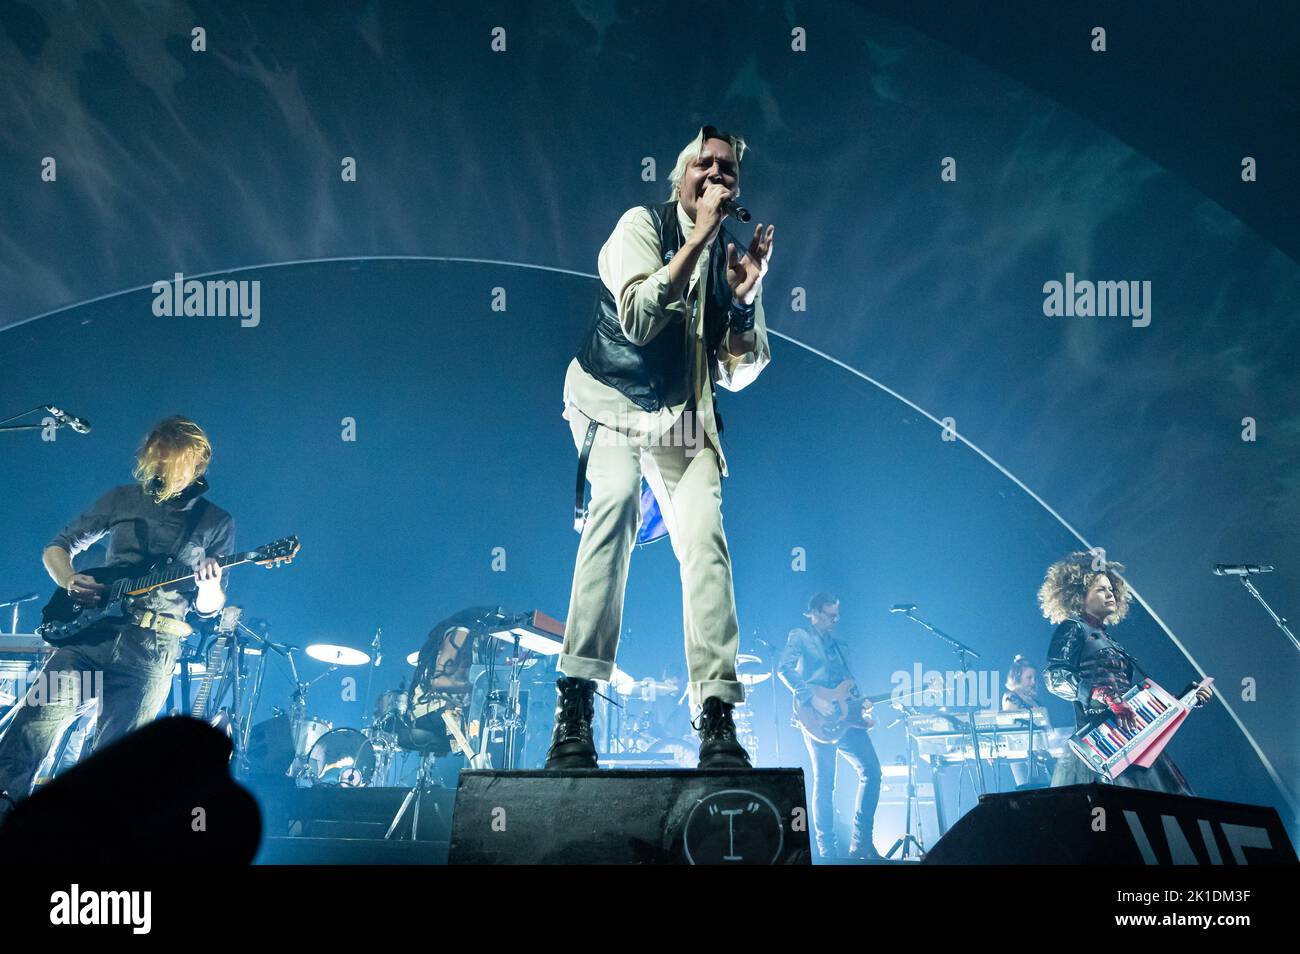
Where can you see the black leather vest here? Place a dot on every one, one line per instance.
(657, 374)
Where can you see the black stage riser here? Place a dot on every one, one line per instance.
(663, 816)
(1111, 825)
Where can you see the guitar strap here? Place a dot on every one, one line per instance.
(843, 662)
(192, 518)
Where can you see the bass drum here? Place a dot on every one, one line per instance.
(344, 757)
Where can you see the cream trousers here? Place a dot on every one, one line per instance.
(687, 483)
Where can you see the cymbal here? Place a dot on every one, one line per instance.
(337, 655)
(413, 658)
(748, 671)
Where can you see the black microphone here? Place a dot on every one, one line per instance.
(733, 208)
(63, 417)
(902, 607)
(1239, 569)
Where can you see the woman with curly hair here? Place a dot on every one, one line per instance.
(1084, 594)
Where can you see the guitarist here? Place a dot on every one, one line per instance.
(814, 657)
(162, 514)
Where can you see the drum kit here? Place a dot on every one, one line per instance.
(508, 663)
(415, 718)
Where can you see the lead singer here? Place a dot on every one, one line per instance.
(676, 314)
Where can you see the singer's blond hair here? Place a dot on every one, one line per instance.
(174, 454)
(693, 150)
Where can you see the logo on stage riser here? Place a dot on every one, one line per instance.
(733, 827)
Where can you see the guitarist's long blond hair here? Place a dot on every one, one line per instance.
(175, 454)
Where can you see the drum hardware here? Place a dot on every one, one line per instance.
(422, 785)
(502, 718)
(376, 645)
(306, 731)
(428, 743)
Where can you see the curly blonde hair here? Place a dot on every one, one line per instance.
(1067, 582)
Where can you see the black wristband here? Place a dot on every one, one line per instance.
(740, 318)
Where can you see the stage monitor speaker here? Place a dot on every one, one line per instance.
(160, 795)
(622, 816)
(1112, 825)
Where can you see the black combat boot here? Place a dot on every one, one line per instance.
(718, 746)
(571, 745)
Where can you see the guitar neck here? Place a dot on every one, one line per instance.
(166, 576)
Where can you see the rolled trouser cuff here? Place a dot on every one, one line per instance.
(584, 667)
(728, 690)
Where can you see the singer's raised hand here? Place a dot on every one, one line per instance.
(744, 273)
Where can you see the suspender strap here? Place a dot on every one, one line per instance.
(580, 491)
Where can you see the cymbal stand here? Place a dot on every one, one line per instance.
(376, 657)
(513, 716)
(301, 767)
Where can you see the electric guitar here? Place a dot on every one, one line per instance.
(848, 710)
(65, 622)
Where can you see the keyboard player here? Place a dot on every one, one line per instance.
(1021, 695)
(1085, 595)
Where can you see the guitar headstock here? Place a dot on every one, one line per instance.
(273, 554)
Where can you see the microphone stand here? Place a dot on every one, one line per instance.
(16, 603)
(58, 422)
(774, 655)
(964, 655)
(1279, 620)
